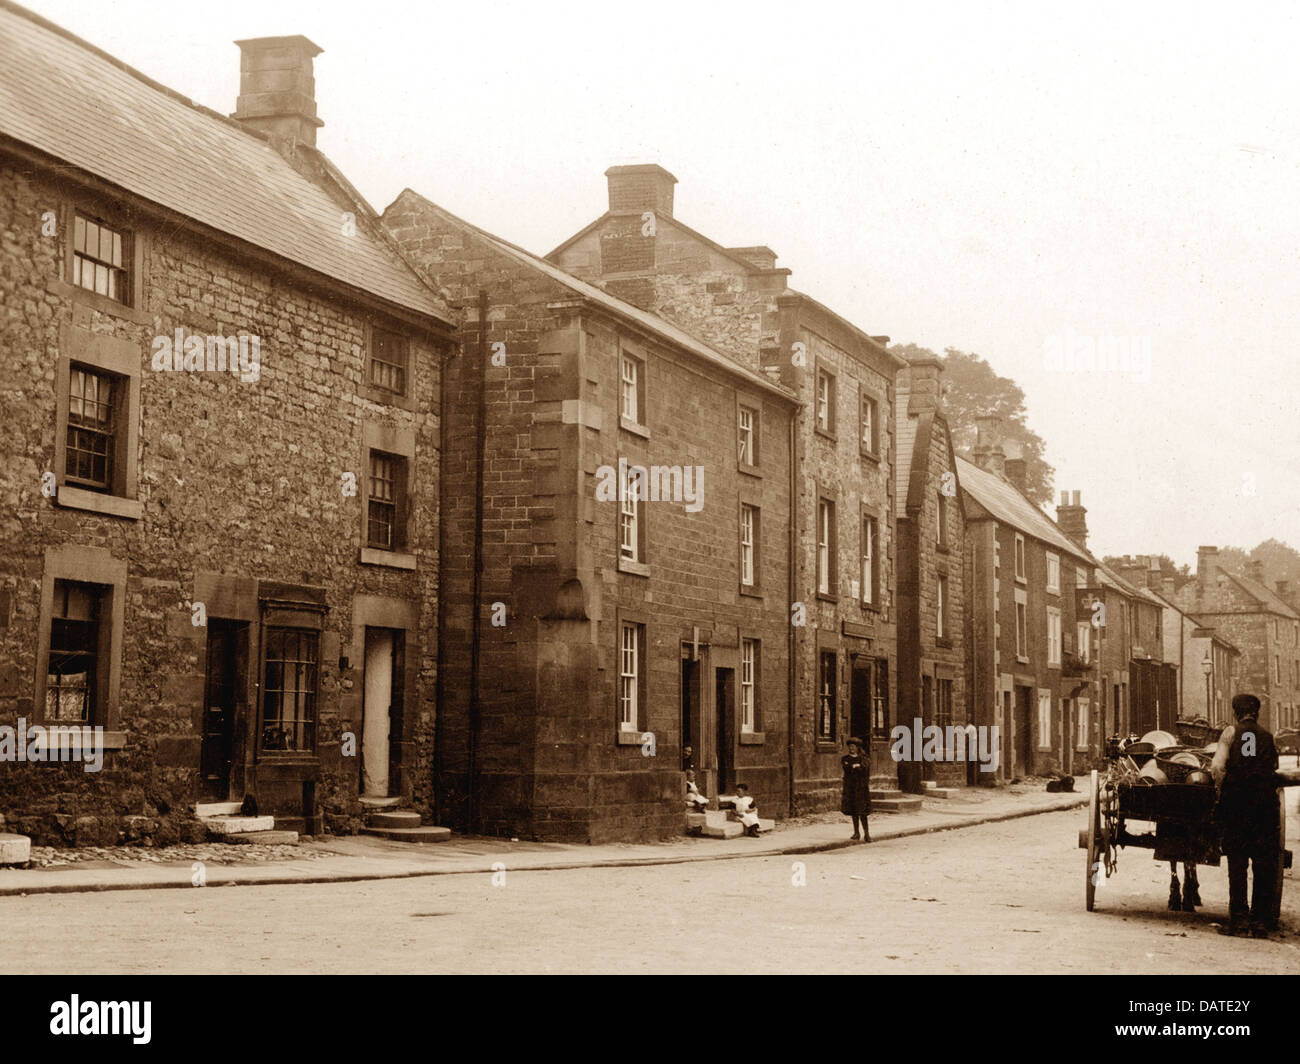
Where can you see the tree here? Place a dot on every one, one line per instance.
(972, 389)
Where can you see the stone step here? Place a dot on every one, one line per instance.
(886, 792)
(883, 783)
(237, 825)
(729, 829)
(370, 803)
(15, 849)
(941, 792)
(425, 834)
(202, 810)
(695, 823)
(394, 818)
(265, 838)
(904, 804)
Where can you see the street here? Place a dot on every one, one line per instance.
(995, 898)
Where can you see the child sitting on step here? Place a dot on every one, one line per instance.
(747, 810)
(695, 801)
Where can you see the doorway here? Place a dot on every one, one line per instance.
(690, 720)
(725, 709)
(1024, 731)
(223, 695)
(381, 713)
(860, 699)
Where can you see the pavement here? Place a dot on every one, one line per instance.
(343, 859)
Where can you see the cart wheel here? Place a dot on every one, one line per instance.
(1094, 835)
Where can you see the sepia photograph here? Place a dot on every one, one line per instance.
(715, 489)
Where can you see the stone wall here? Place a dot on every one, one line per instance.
(237, 480)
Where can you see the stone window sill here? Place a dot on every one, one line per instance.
(386, 398)
(823, 597)
(749, 470)
(111, 505)
(634, 427)
(97, 302)
(752, 738)
(751, 591)
(387, 558)
(631, 738)
(109, 740)
(625, 565)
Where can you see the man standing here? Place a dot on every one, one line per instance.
(1247, 815)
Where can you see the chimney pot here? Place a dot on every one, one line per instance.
(1071, 518)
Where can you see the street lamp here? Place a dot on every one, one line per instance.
(1207, 667)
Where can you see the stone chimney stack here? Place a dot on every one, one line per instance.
(1207, 566)
(1154, 579)
(646, 187)
(924, 383)
(1070, 517)
(988, 453)
(1017, 473)
(1255, 570)
(277, 92)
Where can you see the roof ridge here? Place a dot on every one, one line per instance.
(127, 68)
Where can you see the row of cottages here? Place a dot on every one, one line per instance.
(876, 584)
(1064, 652)
(1202, 660)
(1260, 623)
(221, 407)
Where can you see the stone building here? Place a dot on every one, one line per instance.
(1033, 643)
(1260, 623)
(605, 632)
(220, 400)
(931, 572)
(843, 604)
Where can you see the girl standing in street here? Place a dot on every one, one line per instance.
(855, 802)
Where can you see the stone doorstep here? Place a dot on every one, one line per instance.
(265, 838)
(237, 825)
(901, 804)
(15, 849)
(395, 818)
(425, 834)
(370, 803)
(203, 810)
(940, 792)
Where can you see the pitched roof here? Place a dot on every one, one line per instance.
(81, 106)
(1262, 594)
(652, 323)
(1007, 505)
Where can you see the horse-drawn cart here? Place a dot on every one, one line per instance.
(1182, 814)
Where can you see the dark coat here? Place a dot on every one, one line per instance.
(1247, 813)
(856, 798)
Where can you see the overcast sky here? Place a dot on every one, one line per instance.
(992, 177)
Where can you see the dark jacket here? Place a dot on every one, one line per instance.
(1248, 810)
(856, 798)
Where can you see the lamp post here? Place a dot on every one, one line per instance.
(1207, 667)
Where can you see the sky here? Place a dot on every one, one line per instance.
(1100, 200)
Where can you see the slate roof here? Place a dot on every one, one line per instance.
(71, 101)
(1261, 594)
(651, 322)
(1007, 505)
